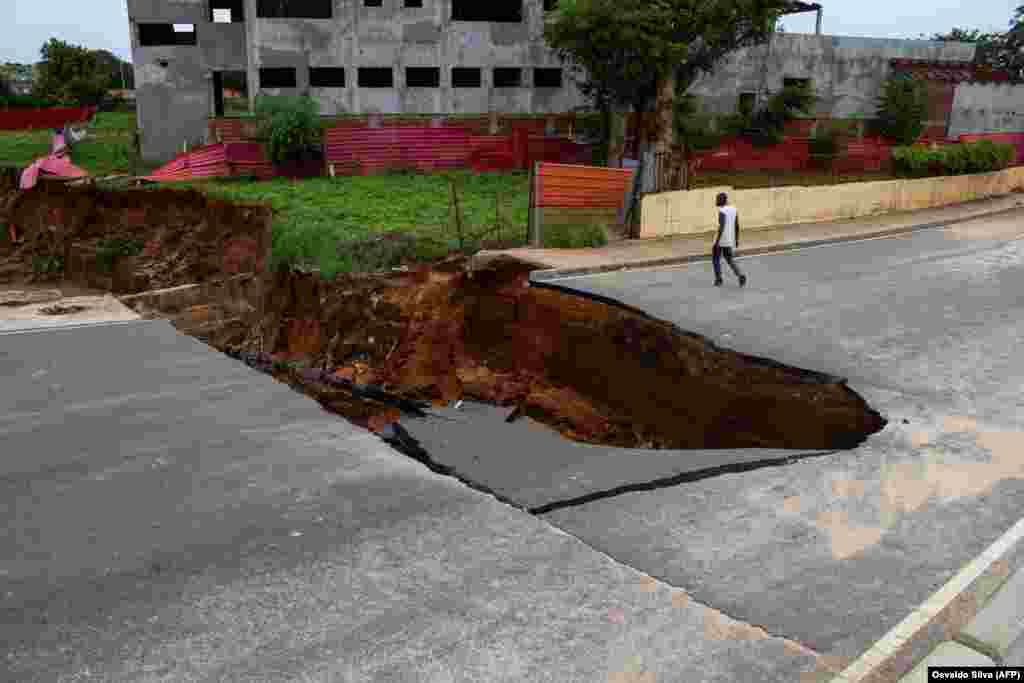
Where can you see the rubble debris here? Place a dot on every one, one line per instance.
(15, 298)
(57, 309)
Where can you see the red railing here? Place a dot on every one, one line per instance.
(222, 160)
(54, 117)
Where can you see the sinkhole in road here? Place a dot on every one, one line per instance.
(372, 348)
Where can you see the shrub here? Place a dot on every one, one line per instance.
(26, 102)
(769, 123)
(290, 125)
(574, 235)
(826, 141)
(983, 156)
(902, 109)
(694, 129)
(108, 251)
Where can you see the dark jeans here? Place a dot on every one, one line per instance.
(716, 260)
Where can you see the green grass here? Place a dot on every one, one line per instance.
(315, 215)
(106, 150)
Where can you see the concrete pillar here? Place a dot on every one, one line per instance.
(252, 81)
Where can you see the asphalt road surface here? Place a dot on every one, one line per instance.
(174, 516)
(834, 551)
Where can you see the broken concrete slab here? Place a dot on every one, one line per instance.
(16, 297)
(65, 311)
(534, 466)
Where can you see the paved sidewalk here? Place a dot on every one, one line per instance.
(646, 253)
(981, 594)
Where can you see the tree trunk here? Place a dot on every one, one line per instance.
(606, 132)
(616, 137)
(664, 112)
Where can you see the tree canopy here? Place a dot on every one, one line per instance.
(622, 50)
(70, 73)
(1004, 51)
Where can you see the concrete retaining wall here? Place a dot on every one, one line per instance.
(688, 212)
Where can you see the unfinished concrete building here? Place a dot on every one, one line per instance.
(445, 57)
(845, 73)
(353, 56)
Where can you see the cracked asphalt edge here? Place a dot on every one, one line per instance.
(953, 605)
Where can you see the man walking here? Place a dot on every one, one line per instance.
(727, 240)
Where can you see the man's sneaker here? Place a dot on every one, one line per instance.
(743, 280)
(718, 283)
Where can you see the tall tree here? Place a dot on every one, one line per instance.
(117, 73)
(69, 73)
(640, 53)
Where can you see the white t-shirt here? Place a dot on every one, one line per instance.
(728, 238)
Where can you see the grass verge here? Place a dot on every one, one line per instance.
(314, 216)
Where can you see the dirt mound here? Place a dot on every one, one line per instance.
(596, 371)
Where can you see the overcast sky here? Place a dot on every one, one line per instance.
(103, 24)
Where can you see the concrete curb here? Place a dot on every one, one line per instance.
(940, 618)
(557, 273)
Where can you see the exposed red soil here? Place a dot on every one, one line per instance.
(597, 373)
(186, 237)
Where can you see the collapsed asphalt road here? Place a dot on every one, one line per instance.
(594, 370)
(173, 515)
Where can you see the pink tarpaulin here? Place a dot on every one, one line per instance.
(55, 165)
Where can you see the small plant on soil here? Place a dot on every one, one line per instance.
(108, 251)
(47, 264)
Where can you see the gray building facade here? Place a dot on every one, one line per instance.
(845, 73)
(352, 56)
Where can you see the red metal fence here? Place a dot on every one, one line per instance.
(364, 151)
(580, 187)
(216, 161)
(54, 117)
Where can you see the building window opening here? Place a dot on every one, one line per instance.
(294, 9)
(373, 3)
(506, 11)
(153, 35)
(463, 77)
(227, 11)
(278, 77)
(230, 93)
(414, 3)
(796, 83)
(327, 77)
(508, 77)
(547, 78)
(376, 77)
(422, 77)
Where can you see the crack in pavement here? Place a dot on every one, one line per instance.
(405, 443)
(675, 480)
